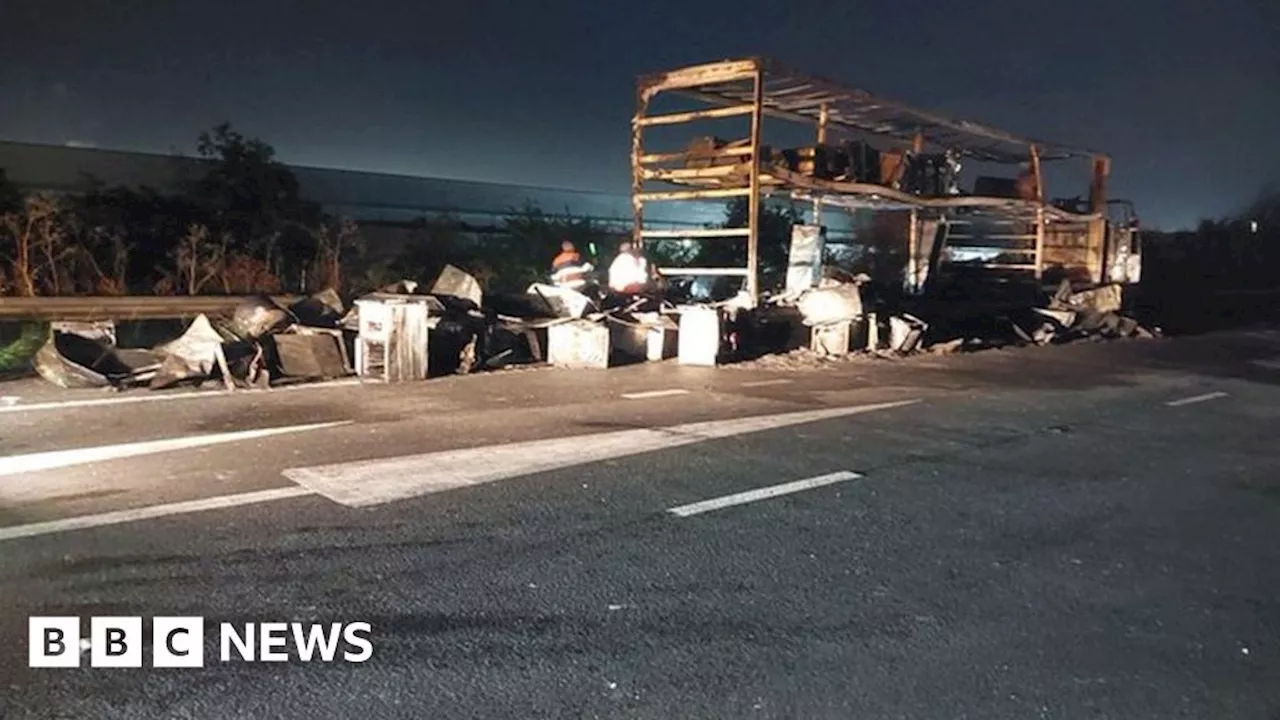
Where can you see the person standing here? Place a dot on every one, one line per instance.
(568, 270)
(629, 273)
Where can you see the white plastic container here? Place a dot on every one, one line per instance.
(700, 335)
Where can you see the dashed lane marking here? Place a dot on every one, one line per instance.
(766, 383)
(764, 493)
(1196, 399)
(654, 394)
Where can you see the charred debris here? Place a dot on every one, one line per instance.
(262, 344)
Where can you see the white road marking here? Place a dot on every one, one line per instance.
(1272, 364)
(764, 493)
(67, 404)
(373, 482)
(1196, 399)
(148, 513)
(15, 464)
(766, 383)
(654, 394)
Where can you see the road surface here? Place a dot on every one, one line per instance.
(1079, 531)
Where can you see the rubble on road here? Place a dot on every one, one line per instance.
(456, 283)
(948, 347)
(199, 351)
(323, 309)
(259, 343)
(1096, 312)
(830, 302)
(71, 360)
(458, 328)
(560, 301)
(256, 317)
(906, 333)
(311, 354)
(1066, 316)
(805, 358)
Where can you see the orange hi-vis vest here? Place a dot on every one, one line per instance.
(568, 270)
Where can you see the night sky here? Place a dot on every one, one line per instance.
(1185, 94)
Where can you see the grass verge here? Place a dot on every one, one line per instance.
(15, 356)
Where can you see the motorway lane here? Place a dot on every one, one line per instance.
(254, 465)
(444, 413)
(945, 577)
(950, 581)
(510, 407)
(64, 423)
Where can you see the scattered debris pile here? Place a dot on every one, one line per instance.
(1071, 316)
(592, 329)
(462, 329)
(260, 344)
(83, 355)
(841, 319)
(1065, 316)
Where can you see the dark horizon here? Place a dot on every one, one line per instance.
(1178, 95)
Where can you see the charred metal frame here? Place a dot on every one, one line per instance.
(757, 87)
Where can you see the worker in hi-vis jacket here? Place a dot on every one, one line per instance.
(568, 269)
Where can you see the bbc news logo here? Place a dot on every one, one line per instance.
(178, 642)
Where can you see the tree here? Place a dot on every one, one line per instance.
(255, 200)
(773, 245)
(774, 233)
(244, 275)
(36, 241)
(199, 258)
(105, 253)
(336, 243)
(128, 236)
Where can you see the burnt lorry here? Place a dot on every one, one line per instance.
(848, 164)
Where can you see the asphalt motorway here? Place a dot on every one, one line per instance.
(1079, 531)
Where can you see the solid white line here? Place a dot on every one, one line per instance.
(149, 513)
(654, 394)
(66, 404)
(766, 383)
(372, 482)
(1273, 364)
(1196, 399)
(764, 493)
(15, 464)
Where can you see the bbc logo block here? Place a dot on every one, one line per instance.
(115, 642)
(53, 642)
(178, 642)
